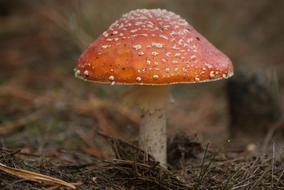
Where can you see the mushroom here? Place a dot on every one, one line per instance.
(152, 49)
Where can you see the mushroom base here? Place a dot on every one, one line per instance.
(153, 101)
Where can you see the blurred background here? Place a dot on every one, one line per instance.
(43, 106)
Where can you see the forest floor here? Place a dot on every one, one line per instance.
(85, 135)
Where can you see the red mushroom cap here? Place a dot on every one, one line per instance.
(152, 47)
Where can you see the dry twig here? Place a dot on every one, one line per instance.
(36, 177)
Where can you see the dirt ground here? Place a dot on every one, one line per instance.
(86, 135)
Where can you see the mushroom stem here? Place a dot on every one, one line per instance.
(153, 101)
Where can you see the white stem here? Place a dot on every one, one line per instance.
(153, 134)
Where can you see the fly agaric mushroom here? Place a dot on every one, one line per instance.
(152, 49)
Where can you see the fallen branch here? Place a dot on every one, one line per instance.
(10, 126)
